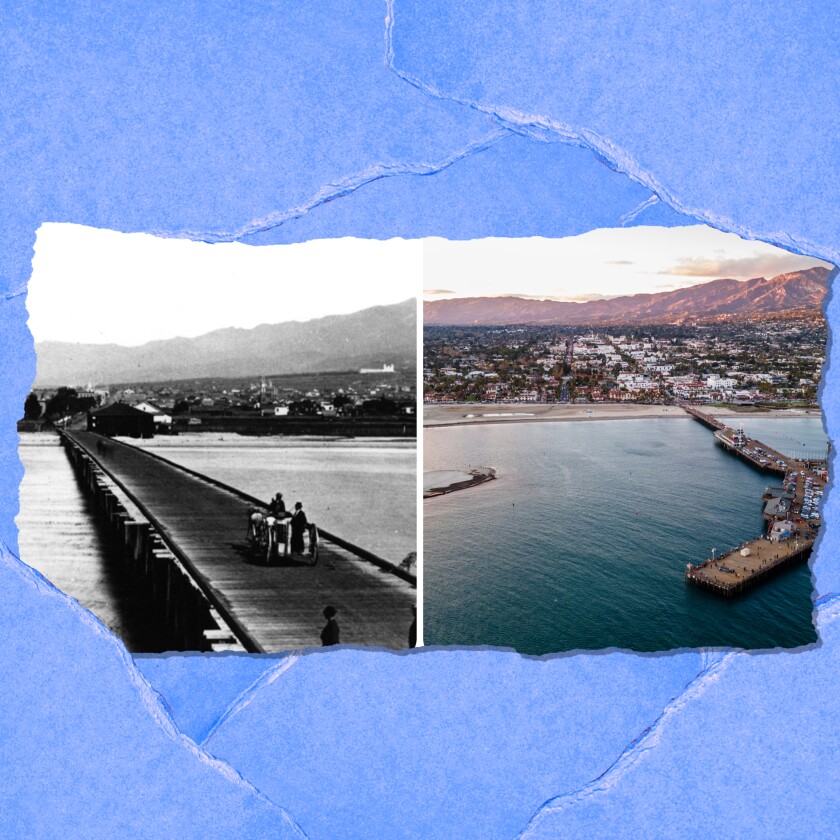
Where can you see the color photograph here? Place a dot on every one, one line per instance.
(629, 455)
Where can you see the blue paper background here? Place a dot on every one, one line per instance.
(280, 122)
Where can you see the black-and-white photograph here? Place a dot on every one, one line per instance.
(220, 445)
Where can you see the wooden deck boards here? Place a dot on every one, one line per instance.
(280, 606)
(733, 572)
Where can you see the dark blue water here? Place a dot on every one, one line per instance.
(583, 540)
(797, 438)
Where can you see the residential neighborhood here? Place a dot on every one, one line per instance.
(209, 403)
(750, 361)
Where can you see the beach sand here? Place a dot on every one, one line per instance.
(452, 415)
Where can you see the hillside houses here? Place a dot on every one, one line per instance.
(744, 362)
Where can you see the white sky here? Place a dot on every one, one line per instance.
(99, 286)
(602, 263)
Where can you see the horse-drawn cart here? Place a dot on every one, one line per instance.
(270, 539)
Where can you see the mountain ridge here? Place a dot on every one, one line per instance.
(724, 297)
(369, 337)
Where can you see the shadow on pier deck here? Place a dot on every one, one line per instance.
(203, 524)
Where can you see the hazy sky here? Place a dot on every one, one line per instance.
(98, 286)
(602, 263)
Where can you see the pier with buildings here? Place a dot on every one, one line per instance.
(183, 538)
(791, 512)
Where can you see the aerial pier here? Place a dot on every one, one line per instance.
(791, 511)
(183, 538)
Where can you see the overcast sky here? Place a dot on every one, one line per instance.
(98, 286)
(602, 263)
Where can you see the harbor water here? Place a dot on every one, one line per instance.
(361, 489)
(60, 536)
(583, 540)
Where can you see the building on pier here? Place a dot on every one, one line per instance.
(119, 419)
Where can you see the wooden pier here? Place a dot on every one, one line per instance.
(765, 559)
(706, 419)
(733, 573)
(202, 524)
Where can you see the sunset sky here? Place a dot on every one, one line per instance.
(602, 263)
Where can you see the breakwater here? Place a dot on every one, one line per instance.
(480, 475)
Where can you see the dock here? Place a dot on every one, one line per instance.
(199, 546)
(756, 560)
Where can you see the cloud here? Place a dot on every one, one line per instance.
(438, 292)
(587, 297)
(741, 268)
(560, 296)
(619, 262)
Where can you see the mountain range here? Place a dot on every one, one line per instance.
(716, 299)
(368, 338)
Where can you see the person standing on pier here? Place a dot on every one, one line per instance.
(299, 523)
(412, 631)
(330, 633)
(278, 506)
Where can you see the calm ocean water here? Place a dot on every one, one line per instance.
(363, 490)
(583, 539)
(60, 536)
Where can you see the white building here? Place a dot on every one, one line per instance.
(159, 416)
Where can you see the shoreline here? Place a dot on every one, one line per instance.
(480, 475)
(464, 414)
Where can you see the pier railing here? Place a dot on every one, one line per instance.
(361, 553)
(193, 617)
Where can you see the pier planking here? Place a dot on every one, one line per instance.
(280, 607)
(765, 557)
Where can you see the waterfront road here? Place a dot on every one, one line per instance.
(279, 606)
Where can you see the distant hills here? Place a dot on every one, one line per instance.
(369, 338)
(714, 300)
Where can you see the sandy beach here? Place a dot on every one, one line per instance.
(452, 415)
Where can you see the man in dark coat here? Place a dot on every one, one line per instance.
(299, 523)
(412, 631)
(330, 633)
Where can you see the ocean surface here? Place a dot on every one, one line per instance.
(583, 539)
(59, 536)
(361, 489)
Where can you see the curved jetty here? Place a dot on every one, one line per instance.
(477, 476)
